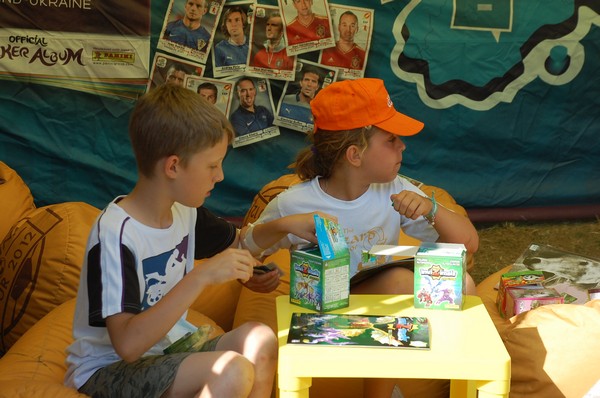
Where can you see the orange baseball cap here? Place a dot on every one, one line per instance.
(352, 104)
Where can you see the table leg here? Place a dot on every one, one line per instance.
(294, 387)
(463, 389)
(493, 388)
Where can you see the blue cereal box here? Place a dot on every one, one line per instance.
(440, 276)
(320, 275)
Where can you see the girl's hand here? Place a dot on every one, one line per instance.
(303, 225)
(410, 204)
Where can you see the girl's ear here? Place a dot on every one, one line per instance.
(171, 165)
(354, 155)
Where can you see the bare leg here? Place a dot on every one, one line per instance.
(243, 366)
(471, 289)
(395, 280)
(258, 343)
(213, 374)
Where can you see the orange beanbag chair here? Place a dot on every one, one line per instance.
(42, 254)
(15, 199)
(35, 365)
(551, 347)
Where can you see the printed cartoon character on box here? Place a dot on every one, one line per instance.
(447, 295)
(333, 232)
(305, 286)
(434, 286)
(424, 296)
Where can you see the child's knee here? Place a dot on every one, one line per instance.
(237, 376)
(261, 333)
(400, 281)
(471, 287)
(268, 342)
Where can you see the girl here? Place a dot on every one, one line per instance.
(351, 173)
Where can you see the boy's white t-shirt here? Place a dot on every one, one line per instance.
(161, 257)
(366, 221)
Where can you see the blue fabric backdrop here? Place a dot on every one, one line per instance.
(510, 101)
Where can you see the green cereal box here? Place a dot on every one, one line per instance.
(440, 276)
(320, 275)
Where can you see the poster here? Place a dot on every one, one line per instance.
(231, 44)
(353, 29)
(189, 28)
(169, 69)
(252, 111)
(294, 111)
(268, 55)
(99, 47)
(219, 92)
(307, 25)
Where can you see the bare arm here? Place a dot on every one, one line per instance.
(134, 334)
(452, 227)
(263, 236)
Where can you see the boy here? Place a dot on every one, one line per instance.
(138, 278)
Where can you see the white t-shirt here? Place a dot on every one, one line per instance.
(121, 254)
(366, 221)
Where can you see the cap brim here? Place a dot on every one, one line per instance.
(402, 125)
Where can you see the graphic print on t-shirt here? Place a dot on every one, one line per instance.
(162, 272)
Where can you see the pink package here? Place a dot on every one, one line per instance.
(519, 300)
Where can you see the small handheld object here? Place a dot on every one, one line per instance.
(266, 268)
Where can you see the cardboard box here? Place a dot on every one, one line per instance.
(519, 300)
(320, 276)
(440, 276)
(518, 279)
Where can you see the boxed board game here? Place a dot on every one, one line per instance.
(521, 300)
(440, 276)
(320, 276)
(513, 280)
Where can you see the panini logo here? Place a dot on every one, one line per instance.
(114, 56)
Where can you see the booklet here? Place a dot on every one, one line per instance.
(571, 274)
(360, 330)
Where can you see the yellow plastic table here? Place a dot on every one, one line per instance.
(465, 348)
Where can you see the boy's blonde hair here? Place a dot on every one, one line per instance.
(171, 120)
(328, 149)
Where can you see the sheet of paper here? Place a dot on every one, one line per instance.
(394, 250)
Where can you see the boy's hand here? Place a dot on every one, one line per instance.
(410, 204)
(264, 282)
(228, 265)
